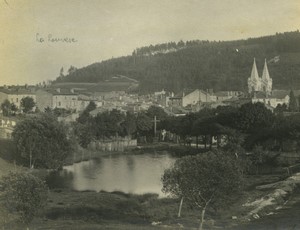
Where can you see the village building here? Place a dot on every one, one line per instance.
(7, 125)
(191, 97)
(56, 98)
(226, 95)
(84, 100)
(260, 89)
(260, 84)
(15, 94)
(277, 97)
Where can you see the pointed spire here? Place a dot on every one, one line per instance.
(265, 74)
(254, 73)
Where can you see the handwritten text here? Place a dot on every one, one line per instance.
(50, 38)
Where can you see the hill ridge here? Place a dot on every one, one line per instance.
(218, 65)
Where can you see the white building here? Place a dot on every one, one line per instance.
(15, 95)
(56, 98)
(277, 97)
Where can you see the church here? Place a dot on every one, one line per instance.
(260, 84)
(260, 89)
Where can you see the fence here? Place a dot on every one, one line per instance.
(116, 145)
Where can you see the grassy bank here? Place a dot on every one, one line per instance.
(91, 210)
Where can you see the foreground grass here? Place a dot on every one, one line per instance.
(91, 210)
(67, 209)
(111, 210)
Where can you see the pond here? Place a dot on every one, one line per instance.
(137, 174)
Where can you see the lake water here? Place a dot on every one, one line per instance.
(136, 174)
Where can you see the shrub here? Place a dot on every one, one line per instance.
(24, 194)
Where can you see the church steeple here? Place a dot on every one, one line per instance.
(254, 73)
(265, 74)
(266, 80)
(263, 84)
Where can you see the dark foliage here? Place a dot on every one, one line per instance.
(27, 104)
(23, 194)
(201, 64)
(42, 141)
(8, 109)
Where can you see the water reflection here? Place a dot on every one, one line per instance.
(127, 173)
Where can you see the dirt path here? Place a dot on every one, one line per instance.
(278, 209)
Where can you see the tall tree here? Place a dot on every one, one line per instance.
(85, 115)
(156, 111)
(144, 124)
(42, 142)
(129, 124)
(208, 128)
(72, 69)
(293, 105)
(252, 117)
(61, 72)
(27, 104)
(108, 124)
(204, 180)
(6, 108)
(84, 133)
(84, 128)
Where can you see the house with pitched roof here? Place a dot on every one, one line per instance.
(226, 95)
(277, 97)
(56, 98)
(15, 94)
(191, 97)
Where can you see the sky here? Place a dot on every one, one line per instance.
(98, 30)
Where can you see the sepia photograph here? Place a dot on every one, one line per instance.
(149, 114)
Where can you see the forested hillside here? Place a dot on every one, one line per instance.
(218, 65)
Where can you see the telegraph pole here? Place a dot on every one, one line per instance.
(155, 125)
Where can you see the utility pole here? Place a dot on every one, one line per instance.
(155, 125)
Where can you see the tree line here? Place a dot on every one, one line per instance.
(201, 64)
(110, 124)
(42, 141)
(248, 126)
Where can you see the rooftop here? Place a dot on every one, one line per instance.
(280, 94)
(16, 90)
(59, 91)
